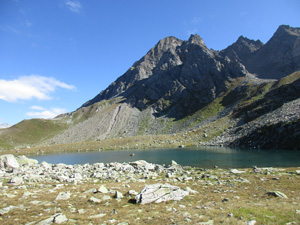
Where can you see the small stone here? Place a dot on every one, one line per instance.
(230, 215)
(235, 171)
(97, 216)
(81, 211)
(60, 219)
(277, 194)
(16, 181)
(63, 195)
(92, 190)
(189, 190)
(102, 189)
(118, 195)
(106, 198)
(251, 222)
(95, 200)
(225, 200)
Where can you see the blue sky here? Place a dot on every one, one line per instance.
(57, 54)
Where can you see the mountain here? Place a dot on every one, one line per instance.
(279, 57)
(244, 95)
(175, 78)
(4, 125)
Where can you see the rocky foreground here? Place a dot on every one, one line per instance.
(144, 193)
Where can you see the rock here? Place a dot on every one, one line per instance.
(142, 164)
(160, 193)
(92, 190)
(251, 222)
(8, 161)
(7, 209)
(118, 195)
(173, 163)
(132, 193)
(95, 200)
(298, 172)
(102, 189)
(60, 219)
(235, 171)
(106, 198)
(16, 181)
(97, 216)
(23, 160)
(45, 165)
(277, 194)
(189, 190)
(63, 196)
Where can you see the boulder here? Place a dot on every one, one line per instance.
(8, 161)
(160, 193)
(95, 200)
(235, 171)
(118, 195)
(16, 181)
(142, 164)
(23, 160)
(63, 195)
(102, 189)
(277, 194)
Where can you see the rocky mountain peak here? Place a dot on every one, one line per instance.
(279, 57)
(196, 39)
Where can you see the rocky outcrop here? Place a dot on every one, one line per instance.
(160, 193)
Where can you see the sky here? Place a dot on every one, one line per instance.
(57, 54)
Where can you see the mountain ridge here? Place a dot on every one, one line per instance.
(218, 97)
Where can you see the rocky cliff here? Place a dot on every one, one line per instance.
(279, 57)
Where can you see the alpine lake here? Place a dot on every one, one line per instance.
(205, 157)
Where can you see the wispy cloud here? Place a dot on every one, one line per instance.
(74, 6)
(29, 87)
(43, 113)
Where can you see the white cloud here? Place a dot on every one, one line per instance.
(44, 113)
(29, 87)
(74, 6)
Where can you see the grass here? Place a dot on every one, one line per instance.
(30, 132)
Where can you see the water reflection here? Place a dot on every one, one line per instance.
(202, 157)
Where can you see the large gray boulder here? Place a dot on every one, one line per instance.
(160, 193)
(23, 160)
(8, 161)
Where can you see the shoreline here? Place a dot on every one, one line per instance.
(36, 193)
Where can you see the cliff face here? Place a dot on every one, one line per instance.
(279, 57)
(174, 78)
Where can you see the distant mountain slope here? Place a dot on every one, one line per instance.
(4, 125)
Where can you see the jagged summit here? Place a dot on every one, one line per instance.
(189, 66)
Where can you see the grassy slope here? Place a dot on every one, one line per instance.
(29, 132)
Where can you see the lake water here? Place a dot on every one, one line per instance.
(205, 157)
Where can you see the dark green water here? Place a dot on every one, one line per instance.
(206, 157)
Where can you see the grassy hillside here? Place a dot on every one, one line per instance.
(30, 132)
